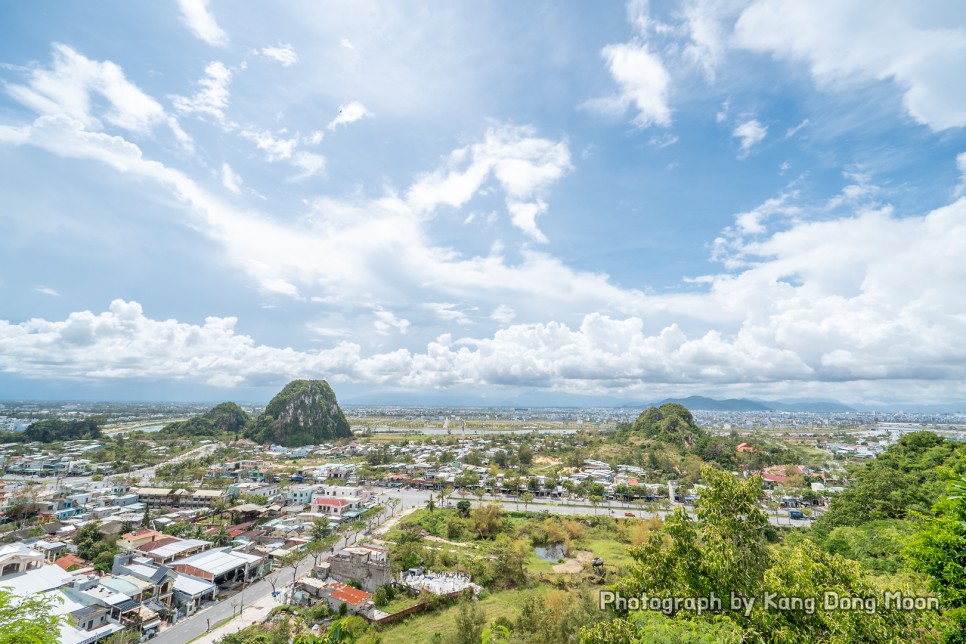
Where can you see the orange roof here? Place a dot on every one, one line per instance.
(69, 560)
(348, 594)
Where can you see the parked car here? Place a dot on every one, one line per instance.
(628, 514)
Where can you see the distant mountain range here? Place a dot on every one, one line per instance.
(745, 404)
(537, 398)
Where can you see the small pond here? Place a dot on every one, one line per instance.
(551, 553)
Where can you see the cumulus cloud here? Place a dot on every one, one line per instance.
(643, 82)
(379, 247)
(349, 113)
(283, 54)
(197, 17)
(750, 133)
(858, 41)
(212, 99)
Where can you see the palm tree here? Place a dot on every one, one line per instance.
(223, 538)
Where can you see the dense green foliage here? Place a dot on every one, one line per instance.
(871, 521)
(305, 412)
(670, 423)
(938, 549)
(909, 476)
(725, 552)
(226, 418)
(94, 547)
(54, 430)
(27, 619)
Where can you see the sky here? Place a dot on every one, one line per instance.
(483, 202)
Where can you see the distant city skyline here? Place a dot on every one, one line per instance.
(203, 200)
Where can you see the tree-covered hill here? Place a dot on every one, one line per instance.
(224, 418)
(305, 412)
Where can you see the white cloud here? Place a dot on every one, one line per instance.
(792, 131)
(275, 149)
(212, 99)
(123, 343)
(845, 42)
(46, 290)
(346, 44)
(67, 87)
(524, 166)
(386, 321)
(314, 138)
(230, 179)
(375, 247)
(524, 216)
(197, 17)
(961, 164)
(503, 314)
(750, 133)
(447, 312)
(643, 82)
(709, 25)
(308, 163)
(284, 54)
(349, 113)
(868, 302)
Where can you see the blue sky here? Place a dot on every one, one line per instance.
(484, 201)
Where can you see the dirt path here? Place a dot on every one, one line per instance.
(576, 563)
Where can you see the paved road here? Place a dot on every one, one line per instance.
(417, 498)
(144, 474)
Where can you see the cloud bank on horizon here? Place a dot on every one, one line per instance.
(730, 198)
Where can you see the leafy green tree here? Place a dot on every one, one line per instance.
(463, 507)
(320, 528)
(907, 477)
(470, 620)
(28, 619)
(527, 498)
(938, 549)
(726, 552)
(223, 538)
(671, 423)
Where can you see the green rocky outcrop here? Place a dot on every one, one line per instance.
(226, 417)
(305, 412)
(670, 423)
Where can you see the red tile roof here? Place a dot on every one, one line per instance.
(69, 560)
(348, 594)
(326, 501)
